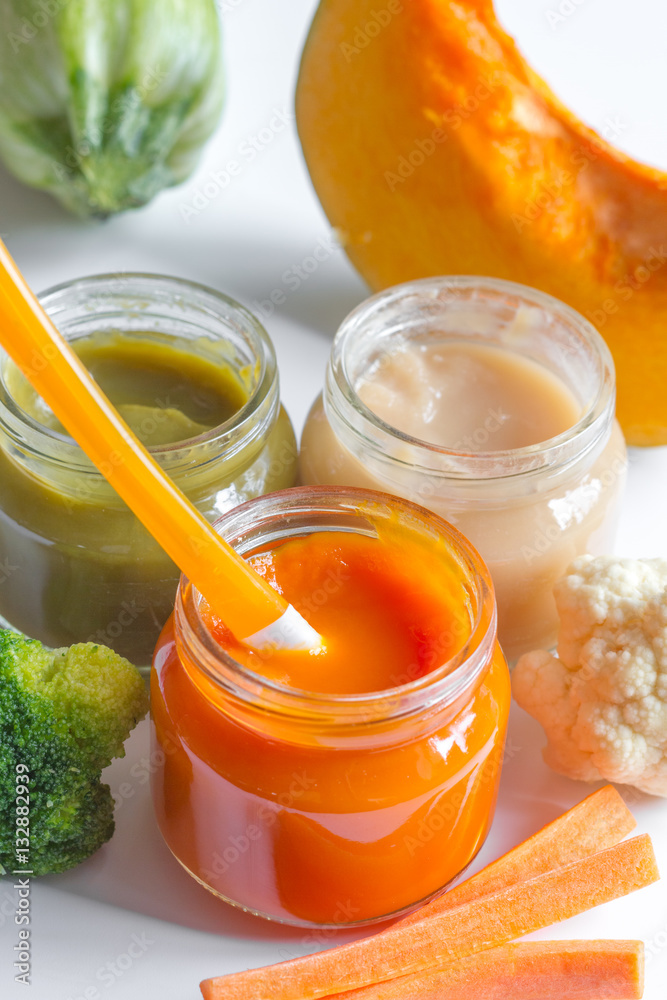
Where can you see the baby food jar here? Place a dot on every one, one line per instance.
(325, 809)
(77, 565)
(529, 510)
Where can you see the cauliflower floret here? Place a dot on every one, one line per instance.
(603, 700)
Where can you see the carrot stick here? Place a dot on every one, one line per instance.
(540, 970)
(598, 822)
(455, 934)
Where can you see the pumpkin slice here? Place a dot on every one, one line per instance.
(435, 149)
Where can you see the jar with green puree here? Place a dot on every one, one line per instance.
(195, 376)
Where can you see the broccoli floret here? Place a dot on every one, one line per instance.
(65, 714)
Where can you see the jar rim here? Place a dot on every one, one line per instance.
(441, 687)
(150, 288)
(442, 462)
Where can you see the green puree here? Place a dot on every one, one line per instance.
(82, 567)
(165, 393)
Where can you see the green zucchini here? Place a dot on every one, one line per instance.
(104, 103)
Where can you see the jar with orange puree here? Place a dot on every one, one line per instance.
(351, 783)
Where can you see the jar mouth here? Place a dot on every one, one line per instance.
(140, 303)
(296, 512)
(400, 314)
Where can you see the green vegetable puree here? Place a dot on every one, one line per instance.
(164, 392)
(75, 564)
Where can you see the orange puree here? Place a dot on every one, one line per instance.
(334, 811)
(387, 616)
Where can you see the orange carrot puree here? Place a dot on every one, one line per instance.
(388, 616)
(308, 819)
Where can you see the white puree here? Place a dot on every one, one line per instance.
(469, 397)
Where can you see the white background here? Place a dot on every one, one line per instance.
(606, 59)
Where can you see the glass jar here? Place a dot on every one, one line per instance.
(318, 809)
(529, 511)
(78, 566)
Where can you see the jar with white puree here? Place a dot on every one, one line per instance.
(492, 404)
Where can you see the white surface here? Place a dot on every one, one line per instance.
(606, 59)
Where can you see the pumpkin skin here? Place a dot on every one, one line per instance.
(435, 149)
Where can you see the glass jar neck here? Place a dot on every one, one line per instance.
(384, 717)
(143, 305)
(480, 311)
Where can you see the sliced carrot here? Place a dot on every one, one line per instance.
(540, 970)
(452, 935)
(598, 822)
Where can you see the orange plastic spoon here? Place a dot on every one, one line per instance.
(243, 600)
